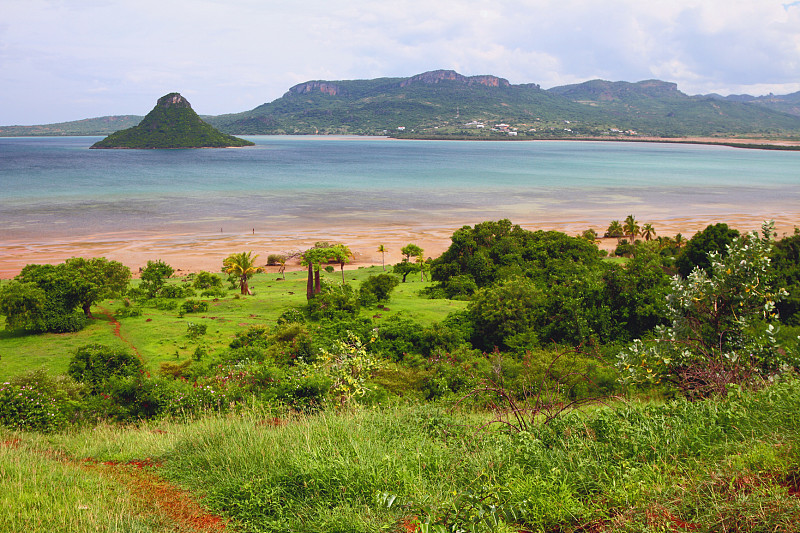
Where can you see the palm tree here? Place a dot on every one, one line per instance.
(615, 230)
(382, 249)
(242, 265)
(631, 227)
(343, 255)
(648, 232)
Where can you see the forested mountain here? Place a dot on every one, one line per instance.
(445, 104)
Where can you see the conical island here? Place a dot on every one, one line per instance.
(171, 124)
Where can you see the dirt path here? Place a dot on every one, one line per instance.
(117, 326)
(161, 498)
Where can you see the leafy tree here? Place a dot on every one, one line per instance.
(380, 287)
(786, 265)
(404, 268)
(615, 230)
(23, 305)
(715, 238)
(64, 291)
(313, 258)
(411, 250)
(505, 315)
(103, 279)
(154, 276)
(491, 251)
(243, 266)
(589, 234)
(382, 249)
(721, 330)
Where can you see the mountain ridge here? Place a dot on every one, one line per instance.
(444, 103)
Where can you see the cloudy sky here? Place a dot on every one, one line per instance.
(70, 59)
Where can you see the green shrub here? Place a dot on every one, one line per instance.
(333, 302)
(37, 402)
(275, 259)
(206, 280)
(291, 316)
(94, 364)
(176, 291)
(377, 288)
(217, 292)
(196, 330)
(194, 306)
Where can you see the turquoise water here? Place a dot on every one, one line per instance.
(53, 187)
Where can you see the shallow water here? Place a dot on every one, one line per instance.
(59, 196)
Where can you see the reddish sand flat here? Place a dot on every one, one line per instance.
(194, 252)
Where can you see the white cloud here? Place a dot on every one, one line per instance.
(234, 55)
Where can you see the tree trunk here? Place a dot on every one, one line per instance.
(317, 284)
(87, 310)
(310, 284)
(243, 286)
(341, 265)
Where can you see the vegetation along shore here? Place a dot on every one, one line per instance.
(516, 380)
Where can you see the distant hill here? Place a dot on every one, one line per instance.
(88, 126)
(171, 124)
(787, 103)
(446, 104)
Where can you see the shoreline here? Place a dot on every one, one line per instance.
(192, 252)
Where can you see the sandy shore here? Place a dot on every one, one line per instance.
(191, 252)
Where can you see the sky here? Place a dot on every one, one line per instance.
(64, 60)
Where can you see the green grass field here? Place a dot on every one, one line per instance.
(159, 335)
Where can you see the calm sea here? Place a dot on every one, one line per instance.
(56, 188)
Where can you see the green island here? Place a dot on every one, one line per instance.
(522, 381)
(171, 124)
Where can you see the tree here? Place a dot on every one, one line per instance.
(382, 249)
(343, 255)
(631, 227)
(378, 288)
(313, 258)
(104, 279)
(404, 268)
(411, 250)
(786, 264)
(242, 265)
(715, 238)
(648, 232)
(721, 329)
(615, 230)
(23, 305)
(154, 276)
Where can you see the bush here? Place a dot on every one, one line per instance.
(196, 330)
(291, 316)
(218, 292)
(38, 402)
(377, 288)
(275, 259)
(176, 291)
(194, 306)
(95, 364)
(206, 280)
(334, 301)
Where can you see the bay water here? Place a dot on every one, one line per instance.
(56, 189)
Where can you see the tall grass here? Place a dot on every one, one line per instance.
(41, 492)
(711, 466)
